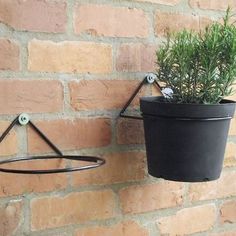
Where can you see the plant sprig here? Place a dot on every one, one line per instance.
(199, 67)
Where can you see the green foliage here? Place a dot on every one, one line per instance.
(199, 67)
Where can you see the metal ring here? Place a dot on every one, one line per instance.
(97, 160)
(187, 119)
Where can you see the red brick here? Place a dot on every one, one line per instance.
(14, 184)
(151, 197)
(34, 15)
(230, 155)
(163, 2)
(10, 217)
(126, 228)
(173, 22)
(33, 96)
(188, 221)
(69, 56)
(105, 20)
(55, 211)
(9, 145)
(228, 212)
(70, 134)
(130, 131)
(224, 187)
(119, 167)
(9, 55)
(136, 57)
(101, 94)
(212, 4)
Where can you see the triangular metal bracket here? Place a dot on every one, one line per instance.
(150, 78)
(23, 119)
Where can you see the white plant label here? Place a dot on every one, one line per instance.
(167, 92)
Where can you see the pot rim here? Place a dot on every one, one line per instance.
(223, 102)
(153, 105)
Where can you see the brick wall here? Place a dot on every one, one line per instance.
(72, 65)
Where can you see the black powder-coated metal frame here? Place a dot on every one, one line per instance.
(147, 81)
(143, 82)
(96, 160)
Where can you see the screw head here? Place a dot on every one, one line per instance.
(23, 119)
(151, 77)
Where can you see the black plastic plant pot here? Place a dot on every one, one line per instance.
(185, 142)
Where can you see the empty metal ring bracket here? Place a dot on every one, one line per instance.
(24, 119)
(96, 160)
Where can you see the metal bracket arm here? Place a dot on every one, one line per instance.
(24, 119)
(150, 78)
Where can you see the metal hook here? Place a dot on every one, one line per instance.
(150, 78)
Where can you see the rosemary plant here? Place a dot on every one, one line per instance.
(199, 67)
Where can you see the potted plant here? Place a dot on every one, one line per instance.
(186, 131)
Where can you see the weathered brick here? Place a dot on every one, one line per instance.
(228, 212)
(232, 129)
(212, 4)
(102, 94)
(69, 56)
(230, 155)
(70, 134)
(13, 184)
(130, 131)
(34, 96)
(138, 199)
(113, 21)
(125, 228)
(224, 187)
(188, 221)
(34, 15)
(136, 57)
(10, 217)
(119, 167)
(55, 211)
(163, 2)
(9, 55)
(9, 145)
(173, 22)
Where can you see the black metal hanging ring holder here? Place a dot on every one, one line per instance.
(150, 78)
(24, 119)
